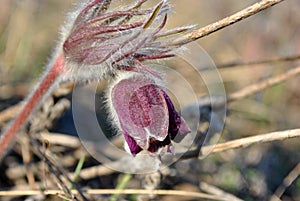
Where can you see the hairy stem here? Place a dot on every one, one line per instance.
(42, 91)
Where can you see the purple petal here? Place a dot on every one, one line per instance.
(141, 109)
(176, 123)
(174, 117)
(184, 128)
(133, 146)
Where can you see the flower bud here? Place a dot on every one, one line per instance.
(103, 39)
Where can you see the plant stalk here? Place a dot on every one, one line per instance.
(42, 91)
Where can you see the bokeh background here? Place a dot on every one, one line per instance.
(29, 30)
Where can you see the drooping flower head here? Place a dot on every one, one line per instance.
(103, 39)
(144, 113)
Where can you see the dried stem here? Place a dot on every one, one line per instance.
(260, 62)
(242, 143)
(252, 89)
(116, 191)
(245, 13)
(245, 142)
(94, 172)
(217, 191)
(10, 112)
(57, 170)
(288, 180)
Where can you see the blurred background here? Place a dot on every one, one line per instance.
(29, 30)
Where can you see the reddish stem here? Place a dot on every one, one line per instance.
(32, 103)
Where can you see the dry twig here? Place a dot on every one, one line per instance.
(10, 112)
(116, 191)
(252, 89)
(216, 191)
(241, 143)
(258, 139)
(61, 139)
(260, 62)
(94, 172)
(56, 169)
(288, 180)
(245, 13)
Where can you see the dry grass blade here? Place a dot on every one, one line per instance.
(258, 139)
(57, 170)
(95, 171)
(115, 191)
(288, 180)
(217, 191)
(61, 139)
(250, 90)
(261, 62)
(10, 113)
(247, 12)
(242, 143)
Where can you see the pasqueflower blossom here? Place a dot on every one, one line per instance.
(98, 41)
(144, 113)
(105, 42)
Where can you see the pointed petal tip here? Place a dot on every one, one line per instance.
(183, 128)
(131, 146)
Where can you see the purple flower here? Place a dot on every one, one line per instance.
(103, 41)
(145, 114)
